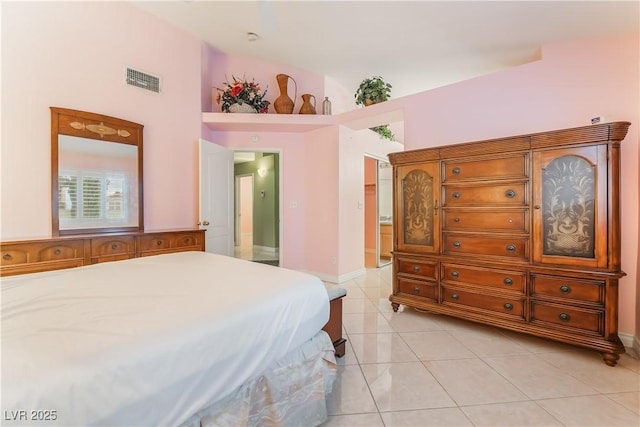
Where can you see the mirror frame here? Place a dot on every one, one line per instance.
(65, 121)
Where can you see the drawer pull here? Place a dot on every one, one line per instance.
(565, 289)
(508, 281)
(7, 257)
(57, 251)
(456, 219)
(456, 195)
(511, 248)
(508, 306)
(114, 246)
(416, 289)
(510, 194)
(457, 244)
(564, 317)
(416, 269)
(456, 170)
(455, 273)
(455, 297)
(158, 242)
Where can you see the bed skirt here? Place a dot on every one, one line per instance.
(291, 392)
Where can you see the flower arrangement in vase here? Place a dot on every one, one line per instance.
(242, 96)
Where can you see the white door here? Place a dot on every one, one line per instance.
(216, 197)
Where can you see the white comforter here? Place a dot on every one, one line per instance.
(147, 341)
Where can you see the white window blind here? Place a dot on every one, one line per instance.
(87, 198)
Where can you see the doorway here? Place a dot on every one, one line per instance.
(257, 206)
(378, 217)
(243, 236)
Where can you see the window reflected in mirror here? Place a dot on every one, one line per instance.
(96, 183)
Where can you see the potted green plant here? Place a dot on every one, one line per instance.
(384, 131)
(372, 91)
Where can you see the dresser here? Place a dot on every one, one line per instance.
(522, 233)
(32, 256)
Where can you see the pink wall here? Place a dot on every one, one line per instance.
(292, 153)
(59, 57)
(354, 145)
(221, 67)
(322, 180)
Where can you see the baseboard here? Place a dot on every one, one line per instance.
(267, 249)
(338, 279)
(630, 342)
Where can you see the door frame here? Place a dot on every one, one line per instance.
(378, 160)
(237, 205)
(280, 153)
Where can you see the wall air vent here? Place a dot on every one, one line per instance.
(142, 80)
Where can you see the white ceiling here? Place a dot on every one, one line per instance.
(414, 45)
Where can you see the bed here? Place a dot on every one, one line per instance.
(188, 338)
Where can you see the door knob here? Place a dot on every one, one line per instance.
(205, 223)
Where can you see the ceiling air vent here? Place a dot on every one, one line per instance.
(143, 80)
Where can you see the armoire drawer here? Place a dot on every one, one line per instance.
(514, 221)
(509, 167)
(418, 288)
(507, 194)
(512, 247)
(567, 288)
(496, 303)
(423, 269)
(513, 281)
(585, 320)
(112, 248)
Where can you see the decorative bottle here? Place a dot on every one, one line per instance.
(326, 106)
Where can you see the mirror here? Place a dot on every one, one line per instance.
(96, 173)
(385, 212)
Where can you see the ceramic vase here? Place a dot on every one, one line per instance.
(283, 103)
(307, 106)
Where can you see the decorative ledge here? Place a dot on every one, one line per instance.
(267, 122)
(360, 118)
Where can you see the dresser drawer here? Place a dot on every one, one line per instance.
(33, 257)
(421, 269)
(112, 248)
(510, 194)
(152, 244)
(42, 252)
(499, 279)
(584, 320)
(155, 242)
(418, 288)
(515, 221)
(509, 167)
(495, 303)
(568, 289)
(511, 247)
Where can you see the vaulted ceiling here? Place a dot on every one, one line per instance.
(414, 45)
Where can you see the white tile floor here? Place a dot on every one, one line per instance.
(419, 369)
(247, 251)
